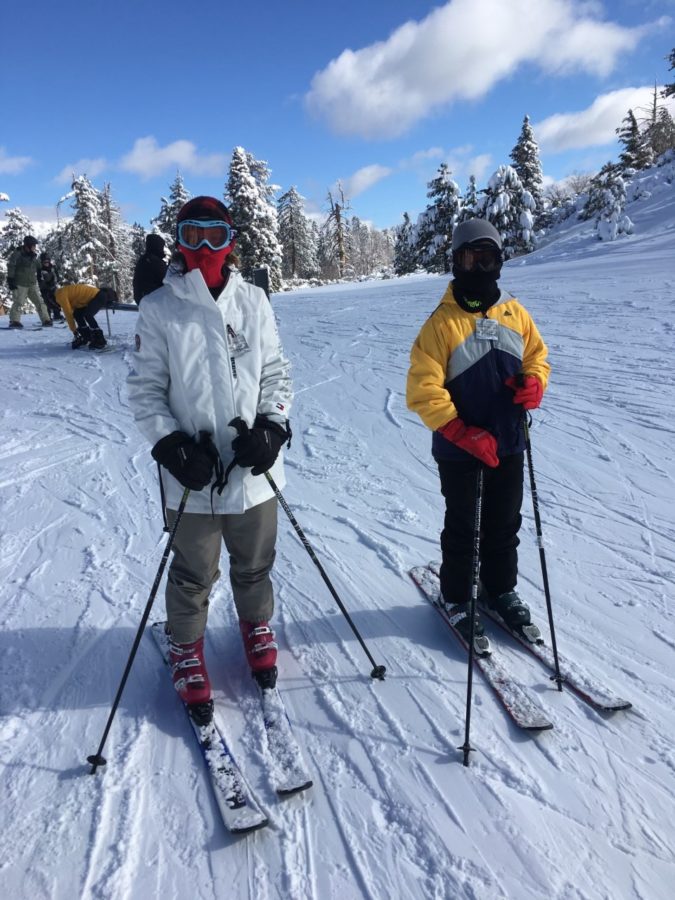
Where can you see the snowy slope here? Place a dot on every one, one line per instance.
(583, 811)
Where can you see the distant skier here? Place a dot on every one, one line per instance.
(463, 384)
(211, 391)
(22, 280)
(48, 277)
(151, 268)
(80, 304)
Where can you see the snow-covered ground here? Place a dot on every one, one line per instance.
(586, 810)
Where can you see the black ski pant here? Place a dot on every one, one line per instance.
(85, 317)
(500, 524)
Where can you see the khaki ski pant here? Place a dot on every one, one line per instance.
(250, 539)
(32, 293)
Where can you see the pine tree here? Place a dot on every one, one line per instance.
(166, 220)
(116, 268)
(636, 153)
(249, 198)
(659, 133)
(445, 210)
(526, 162)
(336, 234)
(469, 201)
(669, 89)
(510, 208)
(137, 242)
(86, 238)
(295, 234)
(607, 199)
(404, 254)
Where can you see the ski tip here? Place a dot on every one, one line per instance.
(248, 829)
(297, 789)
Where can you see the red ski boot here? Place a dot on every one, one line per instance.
(191, 679)
(261, 651)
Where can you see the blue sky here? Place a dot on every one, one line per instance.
(374, 93)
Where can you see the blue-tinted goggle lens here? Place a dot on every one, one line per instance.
(194, 234)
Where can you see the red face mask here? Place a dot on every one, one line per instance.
(209, 262)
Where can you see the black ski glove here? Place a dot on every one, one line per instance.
(190, 463)
(11, 284)
(257, 448)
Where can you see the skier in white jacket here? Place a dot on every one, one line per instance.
(211, 391)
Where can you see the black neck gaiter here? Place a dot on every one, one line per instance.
(475, 291)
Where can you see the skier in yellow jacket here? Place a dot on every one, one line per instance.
(80, 303)
(476, 364)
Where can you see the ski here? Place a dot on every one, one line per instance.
(238, 807)
(289, 773)
(522, 709)
(580, 682)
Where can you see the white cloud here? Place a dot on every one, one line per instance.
(148, 159)
(459, 52)
(363, 179)
(596, 125)
(89, 167)
(13, 165)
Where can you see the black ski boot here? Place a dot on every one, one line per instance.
(97, 340)
(266, 678)
(458, 614)
(515, 615)
(81, 339)
(201, 713)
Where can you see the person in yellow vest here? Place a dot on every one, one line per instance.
(80, 303)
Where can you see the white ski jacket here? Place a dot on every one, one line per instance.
(200, 363)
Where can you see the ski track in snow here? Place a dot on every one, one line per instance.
(584, 811)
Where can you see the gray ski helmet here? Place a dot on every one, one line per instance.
(475, 230)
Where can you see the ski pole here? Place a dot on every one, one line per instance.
(378, 671)
(558, 678)
(97, 759)
(466, 746)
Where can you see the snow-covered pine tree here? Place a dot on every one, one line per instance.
(116, 268)
(248, 195)
(296, 237)
(659, 130)
(669, 89)
(336, 234)
(421, 238)
(637, 152)
(166, 220)
(443, 213)
(469, 201)
(606, 201)
(404, 252)
(510, 208)
(137, 242)
(16, 227)
(86, 237)
(526, 162)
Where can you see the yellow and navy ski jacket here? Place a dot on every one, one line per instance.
(458, 368)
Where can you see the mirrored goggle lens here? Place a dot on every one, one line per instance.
(487, 259)
(194, 235)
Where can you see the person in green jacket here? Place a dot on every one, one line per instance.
(22, 280)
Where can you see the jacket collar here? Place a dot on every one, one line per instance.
(193, 288)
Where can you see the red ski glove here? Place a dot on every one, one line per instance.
(528, 390)
(476, 441)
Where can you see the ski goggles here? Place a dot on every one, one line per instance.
(194, 234)
(472, 258)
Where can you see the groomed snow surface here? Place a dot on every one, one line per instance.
(583, 811)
